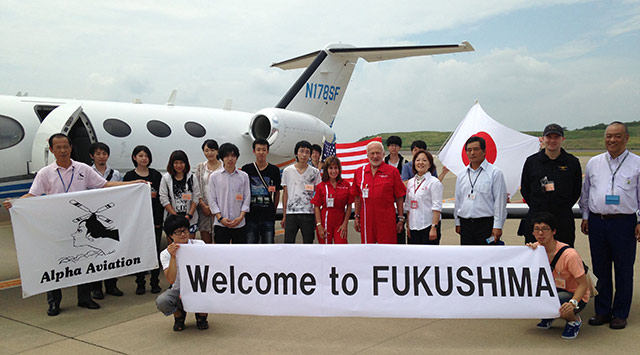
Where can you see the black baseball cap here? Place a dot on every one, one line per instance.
(553, 128)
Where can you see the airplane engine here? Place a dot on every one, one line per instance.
(283, 129)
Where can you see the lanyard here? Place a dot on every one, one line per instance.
(473, 184)
(416, 188)
(326, 189)
(73, 172)
(613, 173)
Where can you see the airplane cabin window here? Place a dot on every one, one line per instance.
(11, 132)
(195, 129)
(159, 128)
(116, 127)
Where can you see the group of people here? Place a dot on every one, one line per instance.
(396, 201)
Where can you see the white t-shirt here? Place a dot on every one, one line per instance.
(165, 259)
(300, 188)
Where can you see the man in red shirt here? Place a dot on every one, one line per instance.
(376, 187)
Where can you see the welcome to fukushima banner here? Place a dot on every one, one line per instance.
(368, 281)
(74, 238)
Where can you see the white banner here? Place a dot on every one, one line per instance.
(368, 281)
(74, 238)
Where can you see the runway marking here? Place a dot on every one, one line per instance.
(10, 284)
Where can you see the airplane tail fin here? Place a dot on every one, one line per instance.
(321, 87)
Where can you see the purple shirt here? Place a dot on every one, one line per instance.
(54, 179)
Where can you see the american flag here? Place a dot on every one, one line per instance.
(328, 150)
(352, 156)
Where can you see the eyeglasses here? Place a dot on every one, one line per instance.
(180, 231)
(541, 229)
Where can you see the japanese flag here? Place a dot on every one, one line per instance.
(507, 149)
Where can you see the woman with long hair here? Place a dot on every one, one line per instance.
(142, 158)
(423, 201)
(332, 203)
(203, 171)
(180, 191)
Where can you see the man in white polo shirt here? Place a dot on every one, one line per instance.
(62, 176)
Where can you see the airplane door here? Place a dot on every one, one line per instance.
(60, 120)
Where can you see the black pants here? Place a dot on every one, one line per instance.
(224, 235)
(109, 284)
(475, 231)
(304, 222)
(421, 237)
(84, 294)
(155, 272)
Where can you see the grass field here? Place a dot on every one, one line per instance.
(589, 138)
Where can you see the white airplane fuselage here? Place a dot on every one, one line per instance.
(306, 112)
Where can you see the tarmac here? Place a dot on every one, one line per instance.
(132, 325)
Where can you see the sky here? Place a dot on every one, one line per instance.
(575, 63)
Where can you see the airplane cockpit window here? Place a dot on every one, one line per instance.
(43, 111)
(195, 129)
(11, 132)
(159, 128)
(116, 127)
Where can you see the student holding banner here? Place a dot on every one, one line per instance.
(62, 176)
(568, 273)
(423, 202)
(177, 229)
(331, 199)
(99, 153)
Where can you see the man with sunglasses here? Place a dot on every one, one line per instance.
(177, 229)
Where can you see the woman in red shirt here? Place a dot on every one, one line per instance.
(332, 203)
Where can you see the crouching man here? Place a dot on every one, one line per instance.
(568, 273)
(177, 229)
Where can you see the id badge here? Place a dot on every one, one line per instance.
(414, 204)
(612, 199)
(471, 196)
(272, 188)
(186, 197)
(308, 187)
(365, 193)
(239, 197)
(154, 194)
(561, 283)
(329, 201)
(550, 186)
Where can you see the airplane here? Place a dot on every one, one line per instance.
(307, 111)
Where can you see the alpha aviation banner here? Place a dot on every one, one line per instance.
(401, 281)
(74, 238)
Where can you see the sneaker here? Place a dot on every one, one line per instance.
(571, 330)
(140, 290)
(545, 323)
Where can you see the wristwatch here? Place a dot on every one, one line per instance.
(189, 215)
(318, 224)
(574, 303)
(220, 219)
(400, 219)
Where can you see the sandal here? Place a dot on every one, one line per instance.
(201, 321)
(178, 322)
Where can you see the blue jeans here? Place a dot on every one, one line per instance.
(260, 232)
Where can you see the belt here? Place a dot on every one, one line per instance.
(611, 216)
(476, 219)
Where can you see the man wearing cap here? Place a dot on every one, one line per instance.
(609, 204)
(551, 182)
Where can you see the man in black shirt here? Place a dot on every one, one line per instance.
(264, 179)
(551, 182)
